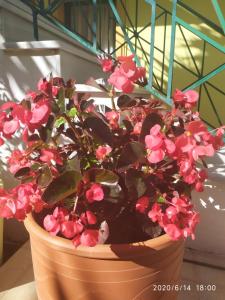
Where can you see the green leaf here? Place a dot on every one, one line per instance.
(85, 104)
(35, 166)
(72, 112)
(99, 129)
(151, 120)
(59, 122)
(161, 199)
(113, 194)
(45, 133)
(22, 172)
(124, 101)
(128, 125)
(45, 177)
(102, 176)
(135, 183)
(132, 153)
(61, 99)
(62, 187)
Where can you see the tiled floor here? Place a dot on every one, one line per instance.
(16, 280)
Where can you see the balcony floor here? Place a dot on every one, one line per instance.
(16, 279)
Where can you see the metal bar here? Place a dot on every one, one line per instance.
(189, 50)
(53, 6)
(156, 80)
(153, 15)
(126, 13)
(136, 23)
(219, 13)
(172, 46)
(73, 35)
(213, 105)
(164, 50)
(94, 24)
(204, 19)
(201, 35)
(126, 37)
(205, 78)
(201, 74)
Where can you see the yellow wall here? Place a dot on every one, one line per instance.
(181, 78)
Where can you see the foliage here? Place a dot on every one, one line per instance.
(122, 176)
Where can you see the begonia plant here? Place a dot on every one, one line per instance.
(122, 176)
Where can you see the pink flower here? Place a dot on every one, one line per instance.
(76, 241)
(95, 193)
(61, 214)
(10, 127)
(113, 118)
(18, 202)
(142, 204)
(51, 224)
(186, 99)
(173, 231)
(40, 112)
(102, 152)
(51, 156)
(156, 156)
(158, 145)
(88, 218)
(199, 187)
(121, 82)
(68, 229)
(7, 206)
(137, 128)
(89, 238)
(17, 161)
(178, 221)
(126, 74)
(106, 64)
(47, 87)
(155, 214)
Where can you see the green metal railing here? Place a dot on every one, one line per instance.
(105, 17)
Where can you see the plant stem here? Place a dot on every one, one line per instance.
(112, 93)
(75, 204)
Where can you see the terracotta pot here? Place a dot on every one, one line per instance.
(135, 271)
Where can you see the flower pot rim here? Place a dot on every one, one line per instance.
(103, 251)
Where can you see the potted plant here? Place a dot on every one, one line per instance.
(106, 198)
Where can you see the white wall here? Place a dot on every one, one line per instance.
(22, 64)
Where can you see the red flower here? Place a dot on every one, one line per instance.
(121, 82)
(158, 145)
(17, 161)
(155, 213)
(186, 99)
(47, 87)
(10, 127)
(178, 221)
(51, 224)
(142, 204)
(126, 74)
(68, 229)
(113, 118)
(40, 112)
(51, 156)
(102, 152)
(95, 193)
(89, 238)
(137, 128)
(107, 64)
(88, 218)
